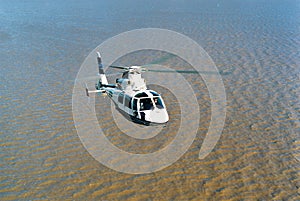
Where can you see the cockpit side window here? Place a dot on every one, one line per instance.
(134, 104)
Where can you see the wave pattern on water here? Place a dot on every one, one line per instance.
(257, 157)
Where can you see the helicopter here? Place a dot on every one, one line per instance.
(131, 95)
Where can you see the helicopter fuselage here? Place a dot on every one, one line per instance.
(144, 106)
(131, 96)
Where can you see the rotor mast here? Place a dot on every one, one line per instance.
(132, 80)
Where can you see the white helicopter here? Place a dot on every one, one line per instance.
(131, 95)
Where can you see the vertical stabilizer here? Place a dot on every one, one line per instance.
(101, 70)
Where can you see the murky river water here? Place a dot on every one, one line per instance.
(43, 44)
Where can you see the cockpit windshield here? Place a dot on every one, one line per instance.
(158, 102)
(146, 104)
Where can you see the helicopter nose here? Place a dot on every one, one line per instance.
(159, 116)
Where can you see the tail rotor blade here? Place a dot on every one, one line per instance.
(87, 90)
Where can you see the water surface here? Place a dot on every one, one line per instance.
(43, 44)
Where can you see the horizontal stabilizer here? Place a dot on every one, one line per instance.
(94, 91)
(87, 91)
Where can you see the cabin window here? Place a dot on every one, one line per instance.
(128, 101)
(120, 98)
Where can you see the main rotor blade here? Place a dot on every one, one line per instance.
(120, 67)
(173, 71)
(188, 72)
(145, 68)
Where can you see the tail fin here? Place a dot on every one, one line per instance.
(101, 70)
